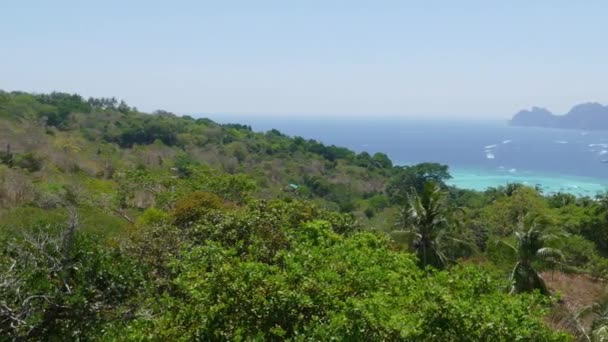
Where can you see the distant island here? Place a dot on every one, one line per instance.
(589, 116)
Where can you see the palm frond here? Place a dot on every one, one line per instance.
(551, 237)
(548, 252)
(574, 323)
(506, 244)
(468, 244)
(600, 334)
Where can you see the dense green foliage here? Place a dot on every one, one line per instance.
(270, 271)
(415, 177)
(120, 225)
(324, 286)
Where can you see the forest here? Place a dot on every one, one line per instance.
(121, 225)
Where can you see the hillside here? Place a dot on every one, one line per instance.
(589, 116)
(100, 138)
(123, 225)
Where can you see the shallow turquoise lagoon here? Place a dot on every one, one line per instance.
(480, 179)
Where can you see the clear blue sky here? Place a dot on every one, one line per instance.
(469, 58)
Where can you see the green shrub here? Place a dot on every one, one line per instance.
(152, 216)
(378, 202)
(191, 207)
(369, 212)
(577, 250)
(28, 161)
(330, 287)
(598, 267)
(53, 290)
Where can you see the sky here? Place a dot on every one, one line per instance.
(479, 59)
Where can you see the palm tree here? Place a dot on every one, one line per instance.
(599, 327)
(511, 188)
(424, 219)
(597, 314)
(530, 248)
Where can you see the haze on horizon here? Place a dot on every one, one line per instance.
(433, 58)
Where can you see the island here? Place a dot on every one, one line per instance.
(587, 116)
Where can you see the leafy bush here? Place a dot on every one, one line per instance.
(152, 216)
(598, 267)
(331, 287)
(53, 288)
(577, 250)
(60, 106)
(191, 207)
(378, 202)
(28, 161)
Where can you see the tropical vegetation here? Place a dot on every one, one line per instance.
(121, 225)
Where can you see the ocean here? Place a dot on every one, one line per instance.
(480, 154)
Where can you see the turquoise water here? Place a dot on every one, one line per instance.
(479, 179)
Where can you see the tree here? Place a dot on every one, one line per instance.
(123, 107)
(407, 177)
(60, 106)
(382, 161)
(7, 157)
(56, 282)
(363, 159)
(516, 202)
(424, 219)
(561, 199)
(238, 150)
(530, 249)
